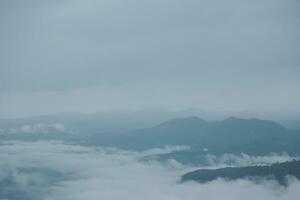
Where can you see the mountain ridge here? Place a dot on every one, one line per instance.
(232, 135)
(276, 171)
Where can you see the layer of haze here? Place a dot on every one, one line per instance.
(89, 55)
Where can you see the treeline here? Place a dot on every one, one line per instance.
(278, 172)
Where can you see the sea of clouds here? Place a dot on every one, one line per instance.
(53, 170)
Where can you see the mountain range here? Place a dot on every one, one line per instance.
(232, 135)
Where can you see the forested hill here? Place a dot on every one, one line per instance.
(278, 171)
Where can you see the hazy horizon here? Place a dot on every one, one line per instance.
(210, 115)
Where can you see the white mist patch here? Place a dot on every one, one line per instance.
(165, 150)
(35, 128)
(247, 160)
(59, 171)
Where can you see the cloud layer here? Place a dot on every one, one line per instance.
(59, 171)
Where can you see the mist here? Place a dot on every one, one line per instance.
(57, 170)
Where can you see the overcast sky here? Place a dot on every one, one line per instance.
(94, 55)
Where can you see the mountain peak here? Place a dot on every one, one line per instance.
(192, 118)
(182, 122)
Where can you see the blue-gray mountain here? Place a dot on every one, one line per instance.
(233, 135)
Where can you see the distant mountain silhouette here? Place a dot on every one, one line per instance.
(278, 172)
(233, 135)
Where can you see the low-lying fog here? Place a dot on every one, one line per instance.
(56, 170)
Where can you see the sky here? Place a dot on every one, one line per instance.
(96, 55)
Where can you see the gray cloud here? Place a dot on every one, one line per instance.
(54, 170)
(205, 50)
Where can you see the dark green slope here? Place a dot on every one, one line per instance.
(277, 172)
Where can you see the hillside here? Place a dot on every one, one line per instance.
(277, 172)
